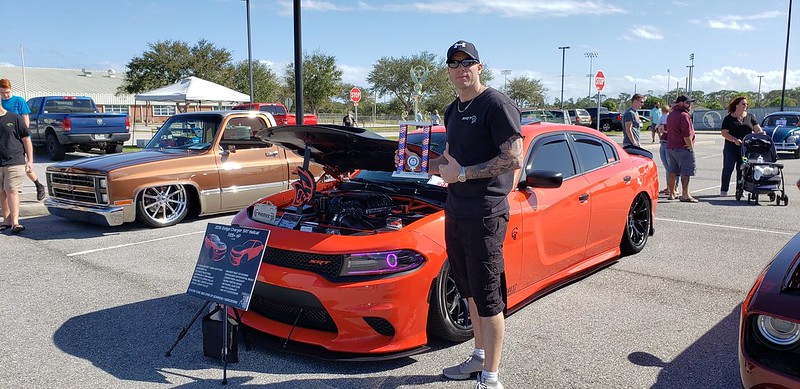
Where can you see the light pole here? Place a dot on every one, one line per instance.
(668, 98)
(786, 55)
(758, 102)
(591, 55)
(691, 69)
(249, 51)
(563, 52)
(505, 72)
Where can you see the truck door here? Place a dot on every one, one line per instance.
(34, 105)
(248, 168)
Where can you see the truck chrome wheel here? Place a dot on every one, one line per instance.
(162, 206)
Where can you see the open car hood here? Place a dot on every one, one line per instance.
(338, 147)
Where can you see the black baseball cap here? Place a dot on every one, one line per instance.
(684, 98)
(464, 47)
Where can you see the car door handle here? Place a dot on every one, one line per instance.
(584, 197)
(271, 154)
(627, 179)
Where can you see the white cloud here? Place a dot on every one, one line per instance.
(506, 8)
(735, 22)
(647, 32)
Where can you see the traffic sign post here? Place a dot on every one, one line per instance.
(599, 83)
(355, 96)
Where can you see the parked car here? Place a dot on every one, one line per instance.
(198, 162)
(545, 115)
(769, 325)
(580, 117)
(65, 123)
(362, 268)
(784, 129)
(279, 113)
(609, 120)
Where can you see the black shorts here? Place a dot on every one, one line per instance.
(475, 252)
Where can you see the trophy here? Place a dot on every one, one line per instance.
(413, 161)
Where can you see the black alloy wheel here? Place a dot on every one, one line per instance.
(448, 316)
(637, 227)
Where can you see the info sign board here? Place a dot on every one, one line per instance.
(228, 265)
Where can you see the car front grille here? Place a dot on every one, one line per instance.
(84, 188)
(326, 265)
(291, 306)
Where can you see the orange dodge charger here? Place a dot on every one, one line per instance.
(356, 261)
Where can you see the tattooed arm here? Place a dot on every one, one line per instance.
(509, 159)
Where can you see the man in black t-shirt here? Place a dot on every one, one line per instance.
(484, 148)
(16, 158)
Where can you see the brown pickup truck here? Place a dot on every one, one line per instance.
(198, 162)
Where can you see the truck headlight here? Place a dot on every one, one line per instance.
(778, 331)
(384, 262)
(103, 183)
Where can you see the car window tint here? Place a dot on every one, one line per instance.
(780, 120)
(592, 152)
(552, 153)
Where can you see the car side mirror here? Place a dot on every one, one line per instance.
(542, 179)
(232, 148)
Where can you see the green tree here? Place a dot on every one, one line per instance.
(526, 91)
(392, 77)
(167, 62)
(266, 86)
(322, 80)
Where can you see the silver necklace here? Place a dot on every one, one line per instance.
(458, 104)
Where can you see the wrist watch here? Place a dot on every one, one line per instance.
(462, 177)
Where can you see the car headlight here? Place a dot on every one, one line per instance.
(792, 138)
(384, 262)
(778, 331)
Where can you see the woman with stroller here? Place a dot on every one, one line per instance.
(735, 126)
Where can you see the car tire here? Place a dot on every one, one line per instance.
(605, 127)
(114, 149)
(448, 312)
(637, 226)
(55, 149)
(797, 154)
(162, 206)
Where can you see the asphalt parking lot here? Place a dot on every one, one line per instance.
(87, 306)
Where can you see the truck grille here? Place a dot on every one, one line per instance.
(84, 188)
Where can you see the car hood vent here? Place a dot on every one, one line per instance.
(792, 283)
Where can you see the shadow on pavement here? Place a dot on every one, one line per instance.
(713, 355)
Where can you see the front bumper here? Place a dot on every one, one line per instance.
(786, 146)
(102, 215)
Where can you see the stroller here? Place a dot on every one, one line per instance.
(761, 174)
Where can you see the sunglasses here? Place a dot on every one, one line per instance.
(453, 64)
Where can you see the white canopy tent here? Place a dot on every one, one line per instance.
(190, 89)
(193, 89)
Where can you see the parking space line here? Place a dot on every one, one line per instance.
(134, 243)
(728, 227)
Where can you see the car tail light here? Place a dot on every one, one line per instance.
(385, 262)
(127, 123)
(66, 124)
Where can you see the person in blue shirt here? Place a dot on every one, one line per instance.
(655, 118)
(18, 105)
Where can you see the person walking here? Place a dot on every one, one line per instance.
(680, 147)
(16, 158)
(655, 119)
(435, 119)
(631, 123)
(18, 105)
(735, 126)
(483, 150)
(348, 120)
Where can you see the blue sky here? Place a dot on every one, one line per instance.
(733, 41)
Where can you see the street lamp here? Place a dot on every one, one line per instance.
(505, 72)
(563, 52)
(668, 94)
(590, 76)
(249, 51)
(758, 102)
(691, 69)
(786, 55)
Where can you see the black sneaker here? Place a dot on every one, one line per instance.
(40, 192)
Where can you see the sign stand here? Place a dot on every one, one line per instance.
(226, 271)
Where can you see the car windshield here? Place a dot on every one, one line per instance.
(780, 120)
(187, 132)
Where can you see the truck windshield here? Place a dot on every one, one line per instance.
(69, 106)
(189, 132)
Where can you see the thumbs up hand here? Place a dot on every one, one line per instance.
(449, 171)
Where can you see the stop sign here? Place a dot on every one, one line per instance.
(355, 94)
(599, 80)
